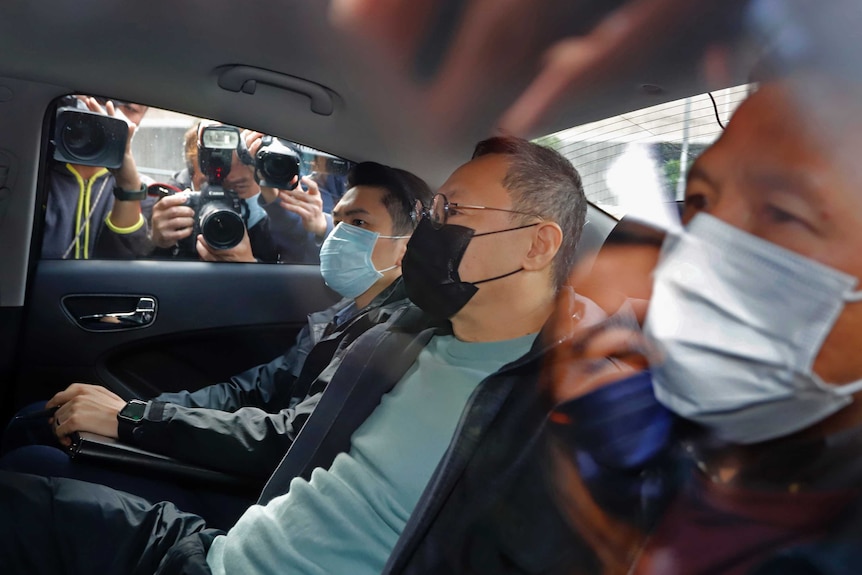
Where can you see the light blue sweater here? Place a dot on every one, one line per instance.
(347, 519)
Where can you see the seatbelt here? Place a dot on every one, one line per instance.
(376, 362)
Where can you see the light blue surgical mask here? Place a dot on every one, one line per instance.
(739, 322)
(345, 259)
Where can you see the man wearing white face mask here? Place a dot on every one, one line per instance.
(756, 317)
(244, 426)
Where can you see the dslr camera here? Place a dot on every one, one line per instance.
(220, 214)
(88, 138)
(276, 165)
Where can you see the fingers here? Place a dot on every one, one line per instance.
(87, 408)
(204, 250)
(312, 188)
(172, 220)
(86, 413)
(241, 252)
(67, 394)
(93, 105)
(309, 199)
(252, 140)
(566, 63)
(622, 39)
(307, 205)
(393, 27)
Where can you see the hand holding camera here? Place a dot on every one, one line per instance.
(279, 179)
(173, 220)
(126, 175)
(307, 204)
(241, 252)
(217, 213)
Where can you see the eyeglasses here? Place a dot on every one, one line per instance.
(442, 208)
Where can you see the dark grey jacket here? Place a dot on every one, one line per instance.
(74, 206)
(245, 425)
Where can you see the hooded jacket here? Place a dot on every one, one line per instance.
(76, 219)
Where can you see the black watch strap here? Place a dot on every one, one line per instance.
(127, 196)
(129, 418)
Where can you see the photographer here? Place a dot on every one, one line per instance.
(297, 220)
(94, 212)
(174, 220)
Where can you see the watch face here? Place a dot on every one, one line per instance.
(134, 410)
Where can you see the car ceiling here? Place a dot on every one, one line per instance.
(168, 54)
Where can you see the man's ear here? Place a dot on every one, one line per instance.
(547, 240)
(400, 250)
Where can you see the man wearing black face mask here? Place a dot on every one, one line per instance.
(383, 465)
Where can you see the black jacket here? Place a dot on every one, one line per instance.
(245, 425)
(487, 508)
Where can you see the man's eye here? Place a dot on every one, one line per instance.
(359, 223)
(779, 216)
(694, 204)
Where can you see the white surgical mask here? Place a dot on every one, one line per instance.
(345, 259)
(739, 322)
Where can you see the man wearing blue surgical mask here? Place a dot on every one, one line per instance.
(245, 425)
(362, 255)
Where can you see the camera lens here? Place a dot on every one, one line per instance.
(279, 168)
(222, 228)
(82, 139)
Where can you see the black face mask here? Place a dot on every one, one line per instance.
(430, 268)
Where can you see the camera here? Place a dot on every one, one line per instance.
(88, 138)
(276, 165)
(220, 214)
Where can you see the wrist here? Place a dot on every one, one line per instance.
(269, 195)
(125, 194)
(129, 419)
(319, 227)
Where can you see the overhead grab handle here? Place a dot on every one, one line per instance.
(245, 79)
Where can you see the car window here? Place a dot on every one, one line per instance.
(634, 162)
(189, 189)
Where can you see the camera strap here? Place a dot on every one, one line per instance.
(86, 223)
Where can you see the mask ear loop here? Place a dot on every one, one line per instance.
(848, 388)
(499, 232)
(853, 297)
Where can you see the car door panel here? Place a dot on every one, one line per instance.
(209, 321)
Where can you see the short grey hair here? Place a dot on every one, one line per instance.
(543, 182)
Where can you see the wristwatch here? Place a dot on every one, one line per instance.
(127, 196)
(129, 418)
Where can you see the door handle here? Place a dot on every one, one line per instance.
(143, 315)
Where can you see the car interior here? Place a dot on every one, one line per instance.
(285, 69)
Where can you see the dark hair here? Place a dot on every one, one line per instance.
(190, 148)
(402, 191)
(541, 181)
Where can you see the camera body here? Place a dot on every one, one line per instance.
(276, 165)
(88, 138)
(220, 216)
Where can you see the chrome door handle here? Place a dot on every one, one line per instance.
(144, 314)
